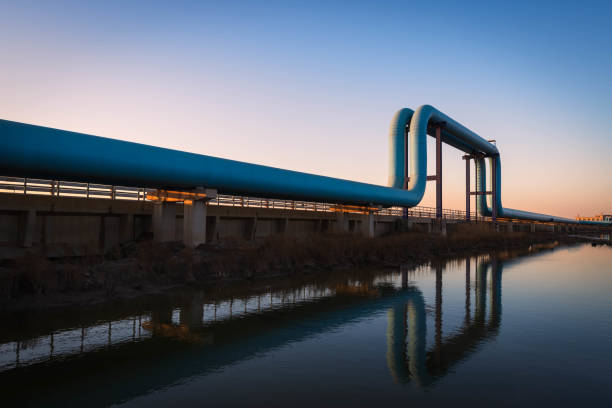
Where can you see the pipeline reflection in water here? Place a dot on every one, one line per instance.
(143, 350)
(407, 355)
(163, 320)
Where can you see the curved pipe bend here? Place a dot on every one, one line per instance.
(42, 152)
(466, 140)
(484, 209)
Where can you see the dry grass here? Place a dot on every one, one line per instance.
(147, 263)
(281, 255)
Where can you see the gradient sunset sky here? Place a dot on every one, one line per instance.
(312, 86)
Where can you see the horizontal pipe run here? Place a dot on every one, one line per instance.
(35, 151)
(40, 152)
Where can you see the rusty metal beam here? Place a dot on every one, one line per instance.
(429, 178)
(439, 170)
(493, 192)
(467, 187)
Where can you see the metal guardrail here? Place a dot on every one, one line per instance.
(69, 189)
(89, 190)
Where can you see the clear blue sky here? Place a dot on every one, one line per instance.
(312, 86)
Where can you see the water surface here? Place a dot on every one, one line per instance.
(499, 329)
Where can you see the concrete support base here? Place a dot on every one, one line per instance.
(103, 237)
(27, 228)
(283, 226)
(126, 228)
(441, 227)
(194, 224)
(437, 226)
(368, 226)
(192, 312)
(212, 224)
(251, 229)
(164, 222)
(342, 223)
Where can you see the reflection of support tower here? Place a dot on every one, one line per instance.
(496, 306)
(481, 291)
(162, 315)
(468, 296)
(192, 312)
(161, 319)
(414, 361)
(438, 309)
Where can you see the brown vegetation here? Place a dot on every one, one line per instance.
(148, 264)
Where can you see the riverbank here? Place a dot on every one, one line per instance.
(145, 268)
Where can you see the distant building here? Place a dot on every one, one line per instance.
(598, 217)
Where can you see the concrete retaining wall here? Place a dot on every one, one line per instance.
(65, 226)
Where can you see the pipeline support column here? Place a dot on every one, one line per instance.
(494, 193)
(368, 225)
(194, 218)
(194, 223)
(467, 187)
(439, 171)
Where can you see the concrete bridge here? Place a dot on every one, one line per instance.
(74, 219)
(193, 187)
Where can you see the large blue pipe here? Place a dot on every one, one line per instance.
(484, 209)
(426, 115)
(42, 152)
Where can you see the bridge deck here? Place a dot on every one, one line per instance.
(67, 218)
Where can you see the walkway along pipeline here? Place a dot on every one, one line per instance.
(40, 152)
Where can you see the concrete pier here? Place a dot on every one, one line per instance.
(164, 222)
(342, 223)
(368, 226)
(27, 228)
(126, 228)
(194, 223)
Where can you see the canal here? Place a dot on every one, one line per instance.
(526, 328)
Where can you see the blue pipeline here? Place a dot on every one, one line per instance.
(41, 152)
(473, 144)
(485, 210)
